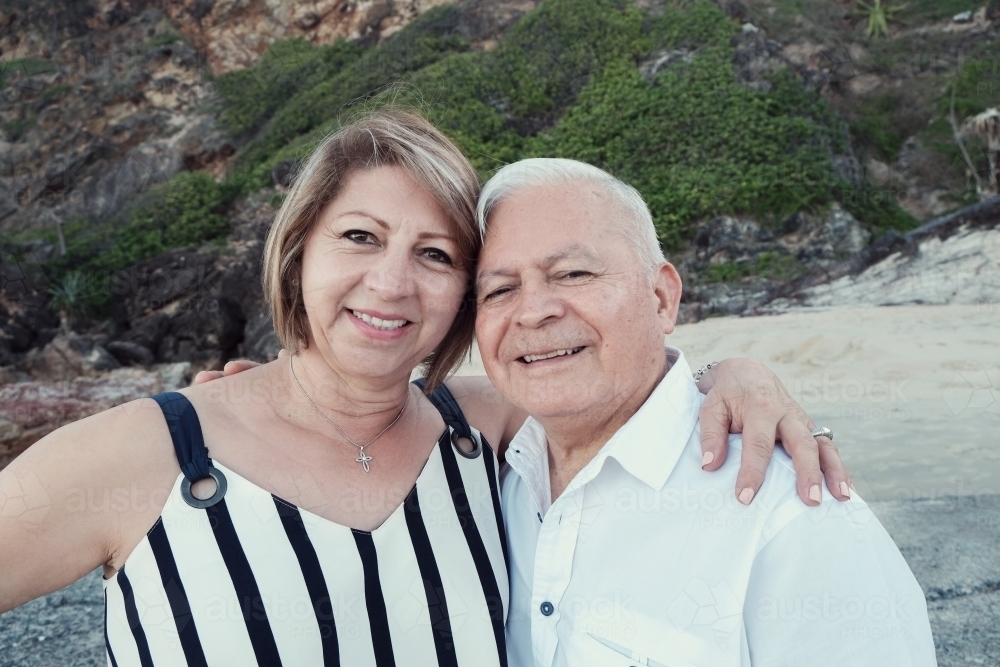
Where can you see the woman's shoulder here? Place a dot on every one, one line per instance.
(125, 438)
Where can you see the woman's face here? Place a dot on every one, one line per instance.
(381, 281)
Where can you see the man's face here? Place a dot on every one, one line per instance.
(569, 318)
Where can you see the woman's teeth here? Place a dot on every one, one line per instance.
(386, 325)
(528, 358)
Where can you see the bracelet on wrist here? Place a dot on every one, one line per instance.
(704, 369)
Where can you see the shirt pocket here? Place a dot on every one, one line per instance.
(615, 654)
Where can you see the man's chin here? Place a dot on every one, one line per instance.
(556, 396)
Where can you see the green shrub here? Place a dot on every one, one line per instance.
(347, 76)
(876, 127)
(185, 211)
(56, 91)
(695, 142)
(16, 129)
(915, 11)
(25, 66)
(771, 265)
(564, 81)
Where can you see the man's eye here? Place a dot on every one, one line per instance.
(436, 255)
(496, 293)
(359, 236)
(576, 274)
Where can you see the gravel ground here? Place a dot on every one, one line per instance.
(952, 545)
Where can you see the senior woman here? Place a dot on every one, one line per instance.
(319, 509)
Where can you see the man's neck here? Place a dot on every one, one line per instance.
(574, 440)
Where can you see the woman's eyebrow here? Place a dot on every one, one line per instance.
(381, 223)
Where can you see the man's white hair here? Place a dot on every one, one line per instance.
(635, 222)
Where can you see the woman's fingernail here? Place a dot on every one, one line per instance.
(814, 493)
(707, 458)
(746, 495)
(844, 491)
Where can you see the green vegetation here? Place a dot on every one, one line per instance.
(564, 81)
(876, 128)
(770, 265)
(915, 11)
(16, 129)
(168, 36)
(56, 91)
(878, 15)
(182, 212)
(67, 296)
(327, 84)
(25, 66)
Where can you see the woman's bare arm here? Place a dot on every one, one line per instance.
(745, 396)
(81, 497)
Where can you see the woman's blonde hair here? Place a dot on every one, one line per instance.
(381, 138)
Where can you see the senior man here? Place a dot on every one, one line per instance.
(574, 299)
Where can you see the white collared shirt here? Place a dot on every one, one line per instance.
(646, 559)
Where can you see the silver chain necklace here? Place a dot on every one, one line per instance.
(363, 458)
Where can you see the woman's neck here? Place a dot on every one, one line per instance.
(359, 406)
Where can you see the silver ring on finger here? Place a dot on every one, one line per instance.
(821, 432)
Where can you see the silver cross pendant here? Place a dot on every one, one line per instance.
(363, 459)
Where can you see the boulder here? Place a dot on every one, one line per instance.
(68, 356)
(129, 354)
(31, 410)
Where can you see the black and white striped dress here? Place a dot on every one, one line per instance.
(254, 580)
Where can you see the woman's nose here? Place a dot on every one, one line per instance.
(390, 276)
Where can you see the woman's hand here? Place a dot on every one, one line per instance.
(744, 396)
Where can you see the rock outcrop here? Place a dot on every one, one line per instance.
(92, 121)
(31, 410)
(952, 259)
(736, 266)
(202, 306)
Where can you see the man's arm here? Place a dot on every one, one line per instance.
(830, 588)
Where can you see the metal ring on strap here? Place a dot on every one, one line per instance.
(220, 490)
(474, 437)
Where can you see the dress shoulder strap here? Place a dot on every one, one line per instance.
(189, 446)
(445, 402)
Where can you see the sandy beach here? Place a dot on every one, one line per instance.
(912, 393)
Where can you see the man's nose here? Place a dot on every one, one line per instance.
(390, 276)
(538, 303)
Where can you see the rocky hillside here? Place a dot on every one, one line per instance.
(145, 144)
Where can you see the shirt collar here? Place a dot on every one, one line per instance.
(647, 446)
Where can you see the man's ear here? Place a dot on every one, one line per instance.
(667, 288)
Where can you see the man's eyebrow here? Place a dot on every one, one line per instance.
(573, 251)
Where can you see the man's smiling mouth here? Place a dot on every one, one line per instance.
(529, 358)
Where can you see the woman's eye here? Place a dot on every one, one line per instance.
(576, 274)
(359, 236)
(436, 255)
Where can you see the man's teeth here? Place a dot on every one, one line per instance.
(548, 355)
(387, 325)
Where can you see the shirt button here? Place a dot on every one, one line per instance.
(547, 608)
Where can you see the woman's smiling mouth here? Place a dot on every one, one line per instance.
(384, 325)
